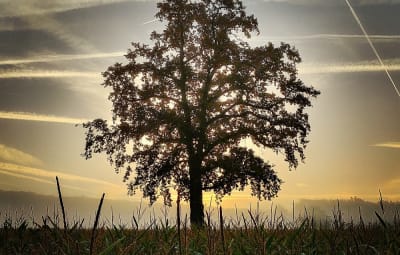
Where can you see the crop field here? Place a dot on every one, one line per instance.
(249, 233)
(252, 232)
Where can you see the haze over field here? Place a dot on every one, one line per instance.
(32, 207)
(52, 54)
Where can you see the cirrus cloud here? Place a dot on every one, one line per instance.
(61, 57)
(47, 175)
(12, 74)
(13, 155)
(41, 7)
(39, 117)
(335, 2)
(345, 68)
(392, 145)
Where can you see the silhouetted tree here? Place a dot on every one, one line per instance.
(182, 106)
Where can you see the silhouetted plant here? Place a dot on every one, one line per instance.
(258, 237)
(182, 106)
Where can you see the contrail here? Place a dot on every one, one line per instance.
(39, 117)
(46, 74)
(393, 145)
(150, 21)
(373, 48)
(61, 57)
(321, 68)
(334, 36)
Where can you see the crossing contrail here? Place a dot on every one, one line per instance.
(373, 48)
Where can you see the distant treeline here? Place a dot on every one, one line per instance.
(353, 209)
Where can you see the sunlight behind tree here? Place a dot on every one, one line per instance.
(202, 90)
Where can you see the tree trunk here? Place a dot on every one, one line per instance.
(196, 194)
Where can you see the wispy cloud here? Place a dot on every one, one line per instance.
(336, 2)
(61, 57)
(375, 2)
(31, 178)
(36, 14)
(355, 67)
(298, 39)
(39, 117)
(41, 7)
(321, 68)
(304, 68)
(332, 36)
(149, 22)
(59, 31)
(392, 184)
(378, 56)
(47, 176)
(15, 171)
(393, 145)
(18, 73)
(13, 155)
(302, 185)
(25, 177)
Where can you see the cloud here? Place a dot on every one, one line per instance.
(84, 184)
(336, 2)
(381, 38)
(393, 145)
(305, 39)
(390, 189)
(36, 14)
(61, 57)
(375, 2)
(13, 155)
(378, 56)
(25, 177)
(59, 31)
(42, 7)
(46, 176)
(149, 22)
(304, 68)
(39, 117)
(17, 73)
(302, 185)
(363, 66)
(32, 178)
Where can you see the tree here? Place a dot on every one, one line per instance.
(182, 106)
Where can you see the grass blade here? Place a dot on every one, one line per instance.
(96, 221)
(381, 220)
(61, 203)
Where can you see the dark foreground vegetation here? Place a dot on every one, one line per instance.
(245, 233)
(249, 233)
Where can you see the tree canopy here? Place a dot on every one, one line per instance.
(182, 106)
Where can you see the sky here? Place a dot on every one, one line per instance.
(52, 53)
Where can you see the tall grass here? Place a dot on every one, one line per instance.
(246, 233)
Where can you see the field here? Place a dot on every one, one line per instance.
(250, 233)
(245, 233)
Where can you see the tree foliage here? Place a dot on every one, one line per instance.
(182, 106)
